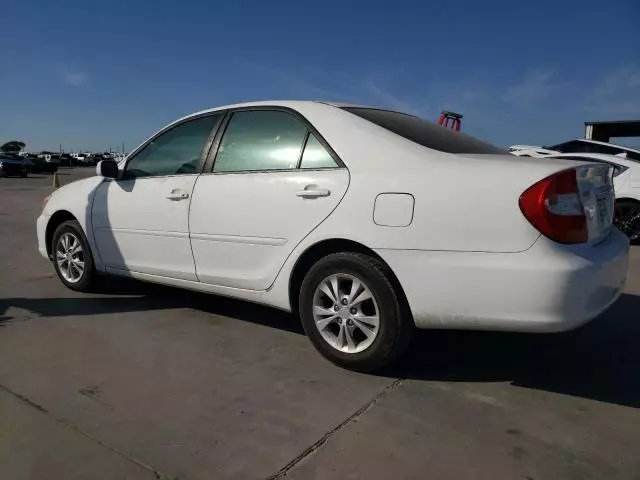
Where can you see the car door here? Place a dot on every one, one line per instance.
(141, 221)
(274, 179)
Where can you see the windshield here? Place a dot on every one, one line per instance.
(427, 134)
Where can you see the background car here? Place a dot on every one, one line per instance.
(626, 179)
(12, 166)
(38, 165)
(53, 158)
(27, 161)
(529, 151)
(579, 145)
(82, 159)
(582, 145)
(66, 160)
(94, 158)
(355, 218)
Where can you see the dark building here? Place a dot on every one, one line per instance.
(604, 131)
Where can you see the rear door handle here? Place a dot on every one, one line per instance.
(312, 191)
(178, 194)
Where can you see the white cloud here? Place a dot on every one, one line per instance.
(75, 79)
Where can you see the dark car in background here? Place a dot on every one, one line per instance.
(40, 165)
(94, 158)
(82, 159)
(13, 166)
(66, 160)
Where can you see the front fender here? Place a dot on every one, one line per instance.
(77, 198)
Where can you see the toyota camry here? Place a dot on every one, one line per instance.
(365, 222)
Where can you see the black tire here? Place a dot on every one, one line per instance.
(395, 323)
(627, 219)
(88, 277)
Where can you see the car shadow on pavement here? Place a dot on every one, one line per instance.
(600, 361)
(126, 296)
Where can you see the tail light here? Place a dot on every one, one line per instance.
(554, 208)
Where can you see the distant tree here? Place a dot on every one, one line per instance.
(14, 146)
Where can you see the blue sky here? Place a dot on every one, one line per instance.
(91, 75)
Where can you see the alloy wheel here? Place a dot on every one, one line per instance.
(346, 313)
(70, 257)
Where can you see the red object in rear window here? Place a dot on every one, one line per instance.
(554, 208)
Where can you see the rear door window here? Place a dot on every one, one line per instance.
(315, 155)
(260, 140)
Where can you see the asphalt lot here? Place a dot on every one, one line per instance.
(144, 382)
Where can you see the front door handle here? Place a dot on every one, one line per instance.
(178, 194)
(312, 191)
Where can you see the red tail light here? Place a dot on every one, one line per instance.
(553, 207)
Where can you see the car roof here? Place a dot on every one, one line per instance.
(294, 104)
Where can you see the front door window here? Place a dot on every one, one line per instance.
(175, 152)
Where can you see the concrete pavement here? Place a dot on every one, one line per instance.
(142, 381)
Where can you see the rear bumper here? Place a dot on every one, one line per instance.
(548, 288)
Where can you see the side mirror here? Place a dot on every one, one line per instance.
(107, 169)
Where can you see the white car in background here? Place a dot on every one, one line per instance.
(365, 222)
(529, 151)
(578, 145)
(582, 145)
(82, 158)
(626, 180)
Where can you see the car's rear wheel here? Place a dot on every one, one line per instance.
(351, 312)
(627, 218)
(72, 257)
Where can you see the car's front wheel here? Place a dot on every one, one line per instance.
(351, 312)
(72, 258)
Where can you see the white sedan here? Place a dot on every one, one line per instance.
(365, 222)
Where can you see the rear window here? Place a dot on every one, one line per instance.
(427, 134)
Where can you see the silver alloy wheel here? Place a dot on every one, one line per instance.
(346, 313)
(70, 257)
